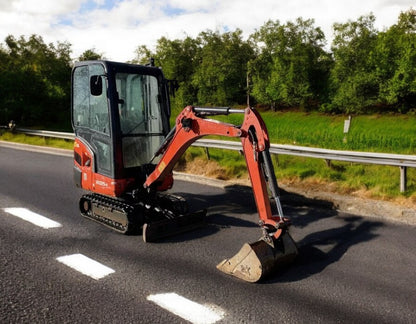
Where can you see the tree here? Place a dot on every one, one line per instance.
(399, 42)
(179, 59)
(35, 81)
(90, 55)
(221, 72)
(210, 69)
(143, 54)
(291, 67)
(354, 79)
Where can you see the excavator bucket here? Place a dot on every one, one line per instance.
(259, 259)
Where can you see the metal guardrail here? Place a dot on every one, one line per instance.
(401, 160)
(348, 156)
(44, 133)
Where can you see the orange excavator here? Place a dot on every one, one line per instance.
(125, 152)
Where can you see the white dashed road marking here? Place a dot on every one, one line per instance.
(187, 309)
(32, 217)
(172, 302)
(85, 265)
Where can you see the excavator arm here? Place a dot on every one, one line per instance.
(276, 247)
(190, 126)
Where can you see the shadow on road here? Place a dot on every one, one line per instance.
(326, 244)
(320, 249)
(238, 199)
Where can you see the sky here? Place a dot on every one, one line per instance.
(116, 28)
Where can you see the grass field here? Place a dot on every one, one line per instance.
(373, 133)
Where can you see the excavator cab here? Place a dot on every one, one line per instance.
(125, 151)
(120, 115)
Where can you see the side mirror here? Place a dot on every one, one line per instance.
(96, 85)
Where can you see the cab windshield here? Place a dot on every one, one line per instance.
(138, 104)
(139, 108)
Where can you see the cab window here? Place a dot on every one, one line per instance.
(89, 110)
(139, 108)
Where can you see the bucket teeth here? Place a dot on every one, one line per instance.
(257, 260)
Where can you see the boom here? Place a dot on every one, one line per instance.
(190, 126)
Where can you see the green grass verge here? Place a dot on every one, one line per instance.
(373, 133)
(370, 180)
(37, 140)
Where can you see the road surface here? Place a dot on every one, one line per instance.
(351, 269)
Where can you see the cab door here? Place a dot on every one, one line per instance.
(91, 123)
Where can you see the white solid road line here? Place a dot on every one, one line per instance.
(187, 309)
(86, 266)
(32, 217)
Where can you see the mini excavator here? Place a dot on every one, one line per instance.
(125, 151)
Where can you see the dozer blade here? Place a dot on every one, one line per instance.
(156, 230)
(259, 259)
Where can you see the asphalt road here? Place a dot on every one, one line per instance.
(351, 269)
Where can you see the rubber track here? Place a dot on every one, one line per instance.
(113, 204)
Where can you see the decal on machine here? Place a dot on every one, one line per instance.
(101, 183)
(161, 167)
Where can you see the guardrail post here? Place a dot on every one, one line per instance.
(403, 178)
(207, 153)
